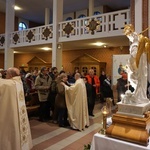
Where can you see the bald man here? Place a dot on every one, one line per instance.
(14, 125)
(12, 72)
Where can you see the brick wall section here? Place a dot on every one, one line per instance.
(1, 61)
(103, 55)
(2, 23)
(145, 16)
(132, 12)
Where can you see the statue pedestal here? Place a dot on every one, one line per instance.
(133, 110)
(130, 124)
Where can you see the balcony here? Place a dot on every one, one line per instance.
(103, 25)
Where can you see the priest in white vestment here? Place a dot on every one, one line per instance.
(14, 125)
(76, 101)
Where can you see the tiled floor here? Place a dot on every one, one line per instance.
(48, 136)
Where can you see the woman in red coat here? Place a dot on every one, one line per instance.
(94, 81)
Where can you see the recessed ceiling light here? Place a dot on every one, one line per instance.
(98, 44)
(46, 48)
(17, 8)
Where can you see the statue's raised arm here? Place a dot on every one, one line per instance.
(137, 66)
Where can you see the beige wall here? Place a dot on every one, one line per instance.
(103, 55)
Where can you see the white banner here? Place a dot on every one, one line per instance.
(119, 65)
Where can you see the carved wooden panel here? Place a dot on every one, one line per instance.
(86, 62)
(37, 63)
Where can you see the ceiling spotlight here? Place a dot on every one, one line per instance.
(98, 44)
(15, 52)
(17, 8)
(46, 48)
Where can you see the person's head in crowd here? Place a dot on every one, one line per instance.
(77, 76)
(54, 70)
(12, 72)
(22, 71)
(50, 70)
(91, 72)
(63, 77)
(35, 72)
(44, 70)
(103, 72)
(28, 75)
(62, 71)
(124, 76)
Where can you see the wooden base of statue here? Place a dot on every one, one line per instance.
(129, 128)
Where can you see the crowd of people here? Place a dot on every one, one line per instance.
(63, 97)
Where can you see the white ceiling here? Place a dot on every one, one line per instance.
(34, 10)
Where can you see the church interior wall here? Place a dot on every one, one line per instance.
(103, 55)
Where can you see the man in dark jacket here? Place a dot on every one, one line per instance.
(42, 85)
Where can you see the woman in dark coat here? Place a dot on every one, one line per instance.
(107, 90)
(60, 102)
(102, 78)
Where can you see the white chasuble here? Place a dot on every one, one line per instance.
(76, 101)
(15, 131)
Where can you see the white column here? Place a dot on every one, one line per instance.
(91, 7)
(138, 16)
(9, 27)
(47, 16)
(57, 17)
